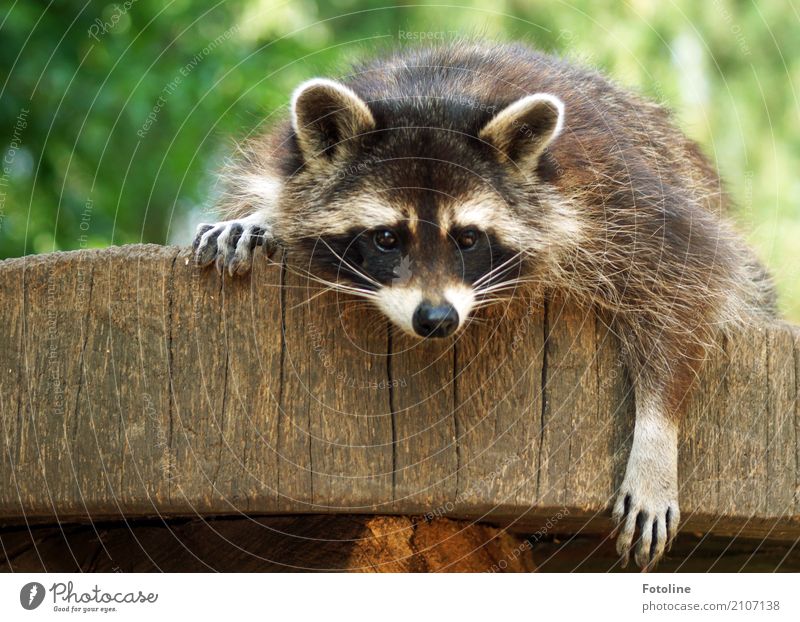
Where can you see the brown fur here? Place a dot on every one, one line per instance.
(619, 210)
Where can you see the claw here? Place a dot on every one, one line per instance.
(270, 246)
(640, 530)
(229, 245)
(207, 248)
(644, 525)
(659, 542)
(201, 229)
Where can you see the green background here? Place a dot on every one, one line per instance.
(84, 166)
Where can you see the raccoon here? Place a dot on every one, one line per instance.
(491, 167)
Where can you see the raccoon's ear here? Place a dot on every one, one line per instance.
(522, 130)
(325, 115)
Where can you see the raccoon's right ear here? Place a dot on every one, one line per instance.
(521, 131)
(325, 116)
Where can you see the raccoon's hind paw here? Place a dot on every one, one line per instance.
(651, 512)
(230, 245)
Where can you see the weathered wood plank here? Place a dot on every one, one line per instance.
(608, 454)
(498, 410)
(254, 343)
(700, 442)
(743, 427)
(426, 459)
(570, 417)
(294, 476)
(199, 385)
(56, 327)
(123, 413)
(780, 411)
(134, 384)
(336, 371)
(12, 282)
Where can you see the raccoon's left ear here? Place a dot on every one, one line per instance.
(326, 115)
(522, 130)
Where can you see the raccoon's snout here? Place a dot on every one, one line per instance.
(435, 320)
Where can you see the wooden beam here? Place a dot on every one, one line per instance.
(268, 544)
(134, 384)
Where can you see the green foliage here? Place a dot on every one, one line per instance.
(114, 116)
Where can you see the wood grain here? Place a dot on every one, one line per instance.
(135, 385)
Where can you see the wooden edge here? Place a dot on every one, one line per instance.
(135, 385)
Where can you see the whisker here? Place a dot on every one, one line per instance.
(366, 293)
(352, 268)
(495, 272)
(308, 300)
(505, 285)
(493, 300)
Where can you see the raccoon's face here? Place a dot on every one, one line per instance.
(424, 275)
(429, 222)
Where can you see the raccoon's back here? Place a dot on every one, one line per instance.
(610, 131)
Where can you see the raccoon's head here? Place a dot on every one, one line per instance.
(428, 207)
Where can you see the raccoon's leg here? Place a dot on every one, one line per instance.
(647, 501)
(662, 368)
(230, 243)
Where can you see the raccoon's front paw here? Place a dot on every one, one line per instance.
(230, 244)
(650, 509)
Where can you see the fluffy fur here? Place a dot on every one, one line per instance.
(571, 184)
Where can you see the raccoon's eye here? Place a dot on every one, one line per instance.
(385, 239)
(467, 239)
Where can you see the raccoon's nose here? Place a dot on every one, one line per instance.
(435, 320)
